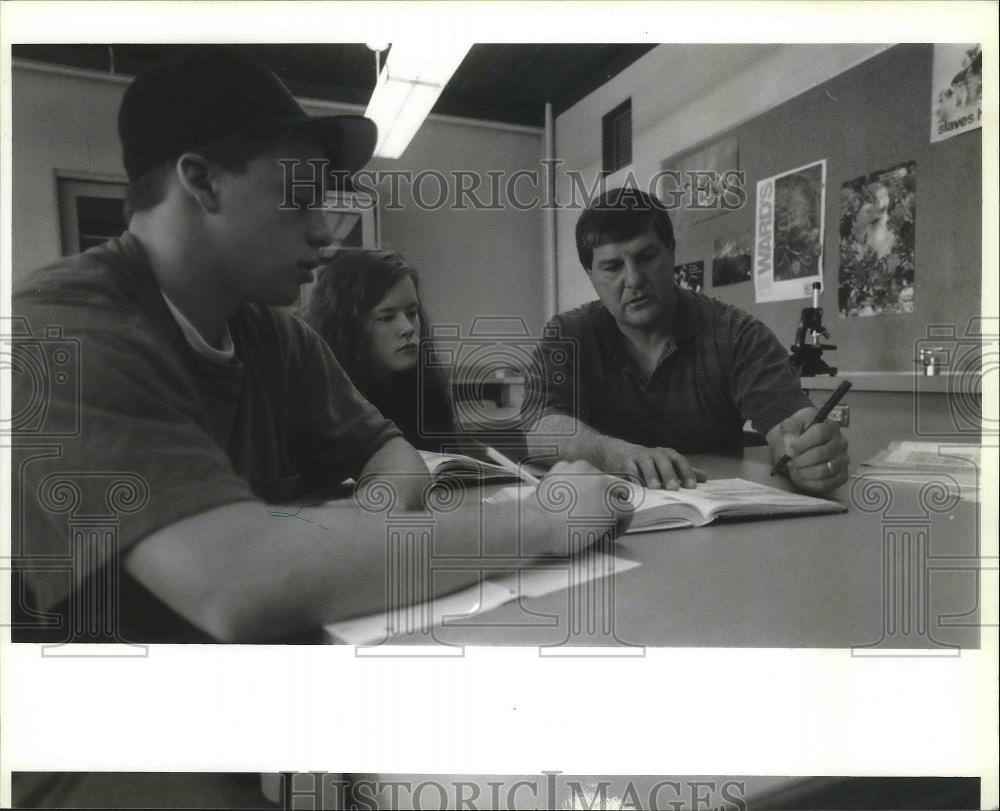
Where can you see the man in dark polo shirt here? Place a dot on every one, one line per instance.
(661, 371)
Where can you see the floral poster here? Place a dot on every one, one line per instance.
(877, 229)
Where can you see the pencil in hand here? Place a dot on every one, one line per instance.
(821, 415)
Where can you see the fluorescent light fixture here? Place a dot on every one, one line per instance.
(414, 75)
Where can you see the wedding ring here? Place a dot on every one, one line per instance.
(829, 467)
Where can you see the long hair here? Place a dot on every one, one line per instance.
(347, 289)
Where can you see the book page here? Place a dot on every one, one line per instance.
(717, 494)
(435, 460)
(457, 463)
(676, 509)
(743, 491)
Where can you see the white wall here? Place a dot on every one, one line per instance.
(472, 262)
(58, 122)
(681, 95)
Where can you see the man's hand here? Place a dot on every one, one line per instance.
(654, 467)
(819, 461)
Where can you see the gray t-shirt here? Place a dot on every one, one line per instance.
(124, 428)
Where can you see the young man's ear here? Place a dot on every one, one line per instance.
(199, 178)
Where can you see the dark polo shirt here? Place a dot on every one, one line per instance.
(720, 368)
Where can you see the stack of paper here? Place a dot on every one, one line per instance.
(957, 467)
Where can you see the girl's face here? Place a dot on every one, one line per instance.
(392, 329)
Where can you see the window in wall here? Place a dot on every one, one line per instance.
(616, 137)
(90, 211)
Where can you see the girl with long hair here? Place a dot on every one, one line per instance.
(366, 305)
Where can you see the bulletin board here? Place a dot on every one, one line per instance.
(869, 119)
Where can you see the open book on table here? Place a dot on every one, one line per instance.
(658, 509)
(460, 466)
(719, 499)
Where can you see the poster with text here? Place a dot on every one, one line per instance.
(788, 241)
(956, 90)
(690, 276)
(731, 261)
(877, 231)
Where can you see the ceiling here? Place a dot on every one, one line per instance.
(495, 82)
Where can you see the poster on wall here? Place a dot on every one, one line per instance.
(877, 230)
(701, 184)
(956, 90)
(731, 262)
(788, 244)
(690, 276)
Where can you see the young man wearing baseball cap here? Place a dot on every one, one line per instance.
(200, 402)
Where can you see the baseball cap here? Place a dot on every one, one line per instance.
(218, 91)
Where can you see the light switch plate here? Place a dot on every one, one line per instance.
(841, 414)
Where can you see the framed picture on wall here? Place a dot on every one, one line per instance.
(91, 209)
(354, 223)
(697, 185)
(353, 220)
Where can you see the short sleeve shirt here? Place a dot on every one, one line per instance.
(721, 368)
(121, 428)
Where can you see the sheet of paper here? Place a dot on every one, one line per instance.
(962, 461)
(953, 466)
(512, 492)
(920, 454)
(589, 566)
(484, 596)
(964, 487)
(374, 628)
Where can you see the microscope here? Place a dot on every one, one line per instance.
(807, 353)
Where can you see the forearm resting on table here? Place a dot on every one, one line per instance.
(399, 463)
(575, 440)
(251, 571)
